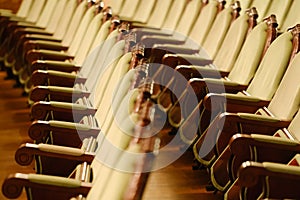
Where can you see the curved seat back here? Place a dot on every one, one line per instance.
(46, 13)
(159, 14)
(250, 55)
(280, 9)
(81, 30)
(217, 33)
(24, 8)
(204, 22)
(286, 100)
(272, 68)
(60, 7)
(35, 11)
(74, 23)
(232, 43)
(262, 8)
(65, 19)
(292, 17)
(144, 11)
(188, 18)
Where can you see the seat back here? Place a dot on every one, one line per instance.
(272, 68)
(232, 43)
(280, 9)
(88, 38)
(261, 7)
(217, 33)
(81, 30)
(60, 7)
(117, 152)
(245, 4)
(292, 17)
(174, 14)
(116, 5)
(46, 13)
(159, 14)
(101, 52)
(116, 52)
(114, 90)
(144, 11)
(128, 9)
(188, 18)
(64, 21)
(286, 100)
(74, 23)
(102, 34)
(251, 53)
(35, 11)
(204, 22)
(24, 8)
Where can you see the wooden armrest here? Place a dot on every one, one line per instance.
(175, 48)
(56, 78)
(13, 25)
(252, 123)
(55, 93)
(150, 40)
(31, 30)
(27, 24)
(255, 170)
(202, 86)
(231, 123)
(70, 134)
(193, 71)
(34, 55)
(159, 50)
(239, 146)
(173, 60)
(234, 102)
(56, 187)
(34, 36)
(54, 65)
(280, 180)
(43, 44)
(146, 31)
(65, 111)
(26, 152)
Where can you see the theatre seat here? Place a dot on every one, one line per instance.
(116, 56)
(42, 70)
(197, 35)
(182, 30)
(33, 55)
(278, 113)
(115, 174)
(223, 61)
(22, 11)
(49, 72)
(283, 144)
(32, 18)
(66, 28)
(243, 70)
(269, 180)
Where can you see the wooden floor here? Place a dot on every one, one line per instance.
(175, 182)
(14, 122)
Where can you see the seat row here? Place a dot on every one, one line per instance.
(214, 73)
